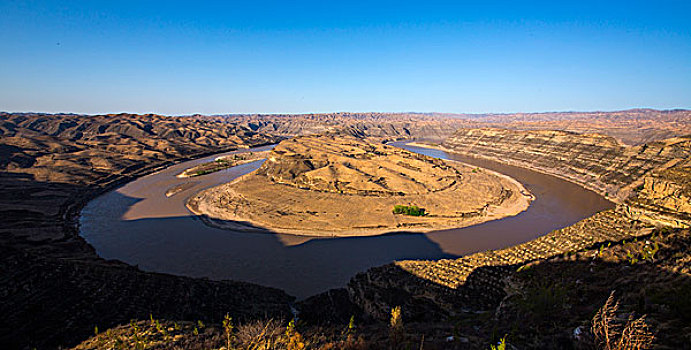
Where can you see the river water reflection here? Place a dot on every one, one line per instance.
(139, 225)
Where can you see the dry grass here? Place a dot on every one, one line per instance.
(612, 333)
(262, 335)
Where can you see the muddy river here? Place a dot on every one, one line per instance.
(140, 225)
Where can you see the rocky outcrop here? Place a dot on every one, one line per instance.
(594, 161)
(669, 190)
(664, 199)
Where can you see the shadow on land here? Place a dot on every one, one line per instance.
(55, 291)
(549, 300)
(182, 245)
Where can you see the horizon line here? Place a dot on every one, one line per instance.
(668, 109)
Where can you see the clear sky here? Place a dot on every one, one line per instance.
(182, 57)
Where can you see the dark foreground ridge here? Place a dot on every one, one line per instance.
(56, 290)
(546, 304)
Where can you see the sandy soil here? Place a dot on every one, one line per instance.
(342, 186)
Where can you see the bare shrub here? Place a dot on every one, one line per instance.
(612, 333)
(636, 335)
(259, 335)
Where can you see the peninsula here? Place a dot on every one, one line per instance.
(344, 186)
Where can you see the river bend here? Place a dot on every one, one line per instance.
(139, 225)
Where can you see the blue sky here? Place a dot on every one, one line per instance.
(295, 57)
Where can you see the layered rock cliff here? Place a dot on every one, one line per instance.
(664, 198)
(597, 162)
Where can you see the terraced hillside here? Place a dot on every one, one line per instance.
(442, 288)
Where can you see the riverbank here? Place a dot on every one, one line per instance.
(221, 163)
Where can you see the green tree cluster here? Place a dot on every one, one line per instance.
(412, 210)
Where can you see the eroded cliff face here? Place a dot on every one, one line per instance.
(669, 189)
(595, 161)
(664, 198)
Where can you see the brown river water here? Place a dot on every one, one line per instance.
(139, 225)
